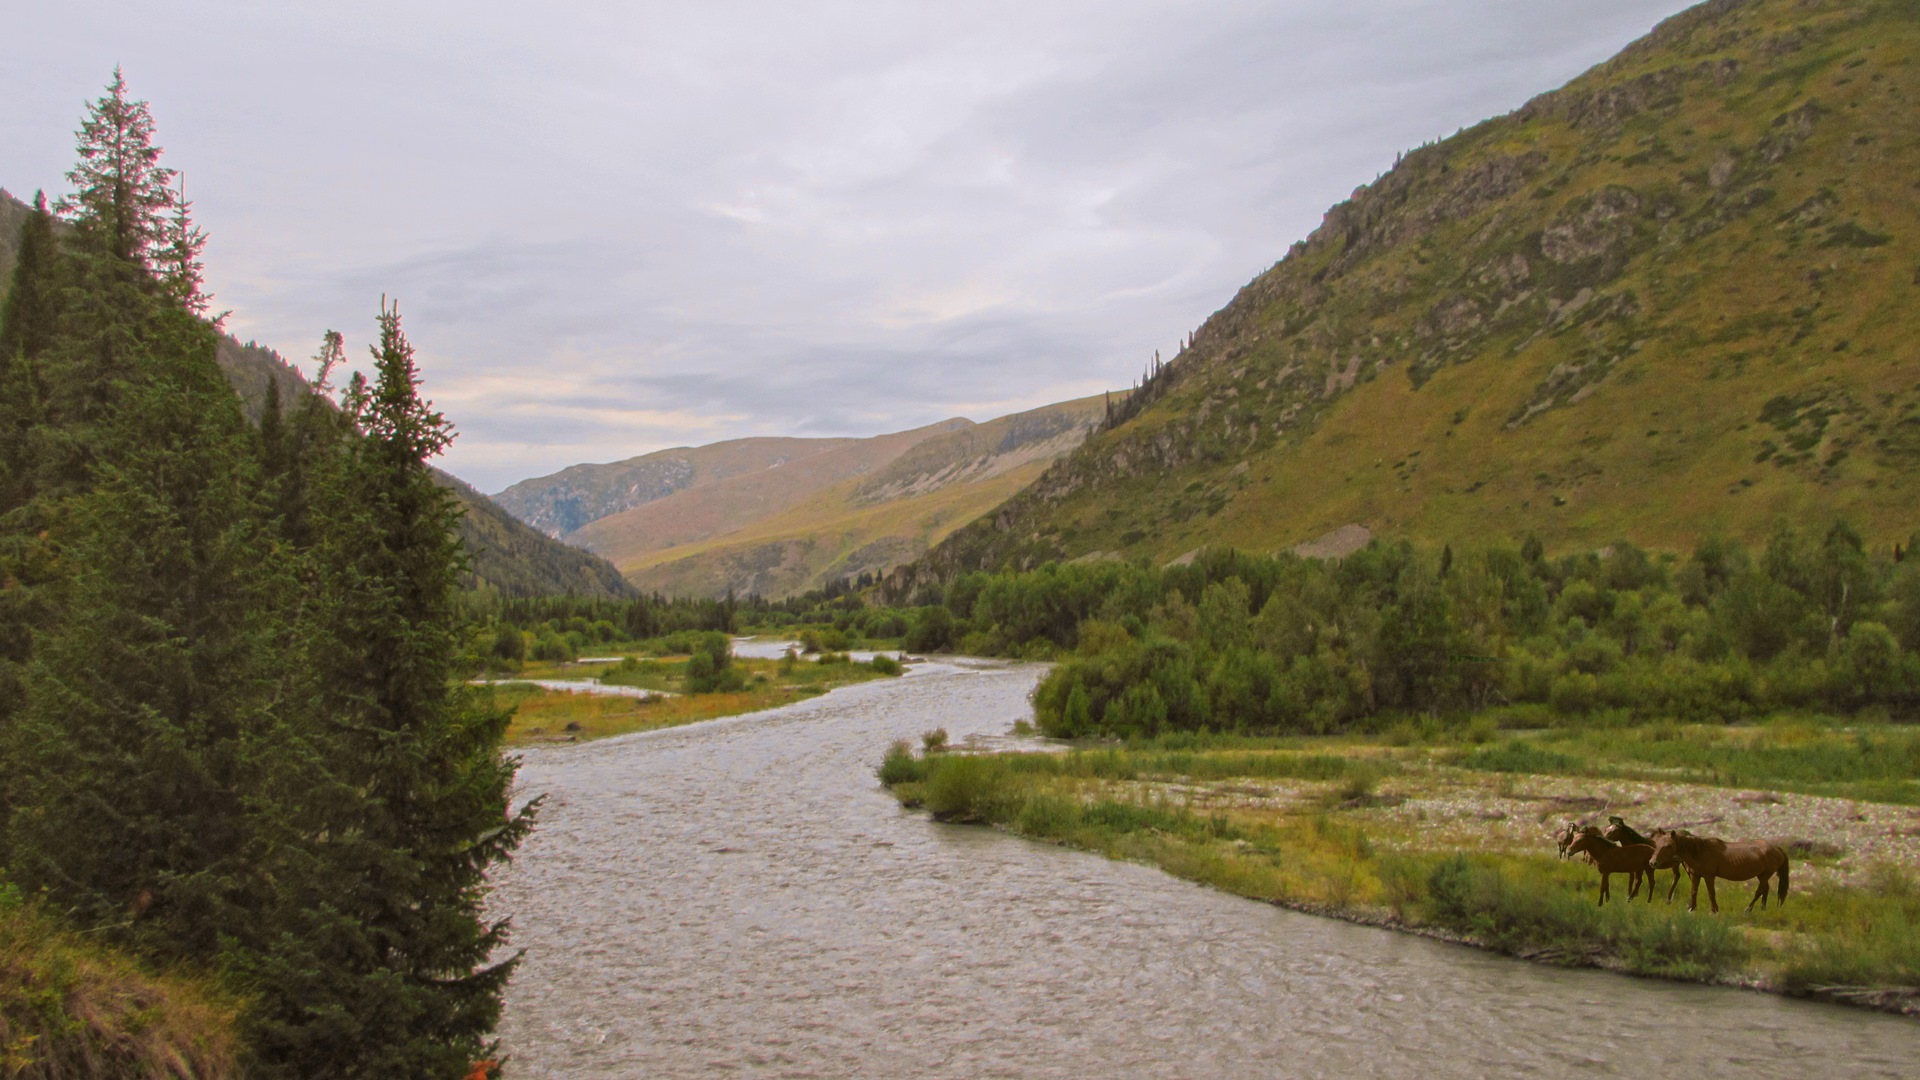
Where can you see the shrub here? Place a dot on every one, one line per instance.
(710, 670)
(886, 665)
(967, 788)
(900, 766)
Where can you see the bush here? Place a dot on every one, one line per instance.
(710, 670)
(900, 766)
(967, 788)
(1515, 756)
(886, 665)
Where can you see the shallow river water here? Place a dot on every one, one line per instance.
(741, 898)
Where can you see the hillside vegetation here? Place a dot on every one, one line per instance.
(1675, 298)
(873, 521)
(561, 502)
(505, 556)
(777, 517)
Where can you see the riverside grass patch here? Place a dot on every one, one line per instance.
(1844, 757)
(544, 715)
(1532, 906)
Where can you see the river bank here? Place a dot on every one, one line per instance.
(1411, 839)
(741, 897)
(631, 690)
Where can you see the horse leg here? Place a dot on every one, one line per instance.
(1606, 879)
(1633, 885)
(1760, 894)
(1675, 885)
(1713, 898)
(1693, 897)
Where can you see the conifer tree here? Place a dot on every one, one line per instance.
(122, 194)
(26, 321)
(385, 971)
(145, 683)
(181, 271)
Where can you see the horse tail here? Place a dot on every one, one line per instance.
(1783, 881)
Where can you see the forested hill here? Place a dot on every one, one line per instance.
(505, 555)
(1679, 296)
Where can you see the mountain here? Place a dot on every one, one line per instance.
(867, 523)
(505, 555)
(728, 504)
(564, 501)
(780, 516)
(1679, 296)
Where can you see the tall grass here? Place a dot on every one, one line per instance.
(70, 1008)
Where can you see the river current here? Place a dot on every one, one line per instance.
(741, 898)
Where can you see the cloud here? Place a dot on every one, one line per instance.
(618, 227)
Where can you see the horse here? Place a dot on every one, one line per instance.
(1620, 832)
(1565, 836)
(1611, 858)
(1708, 857)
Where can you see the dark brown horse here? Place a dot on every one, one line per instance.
(1610, 858)
(1710, 858)
(1620, 832)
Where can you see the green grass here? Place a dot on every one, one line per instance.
(1533, 906)
(542, 715)
(1815, 755)
(71, 1007)
(1724, 305)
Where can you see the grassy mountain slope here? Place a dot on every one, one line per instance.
(1679, 295)
(872, 523)
(722, 506)
(559, 503)
(506, 555)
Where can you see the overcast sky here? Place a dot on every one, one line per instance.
(615, 227)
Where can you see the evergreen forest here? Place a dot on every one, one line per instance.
(235, 749)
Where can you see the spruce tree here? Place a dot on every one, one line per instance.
(146, 682)
(179, 266)
(122, 195)
(385, 971)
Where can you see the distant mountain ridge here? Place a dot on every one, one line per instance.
(562, 502)
(870, 523)
(1679, 296)
(504, 554)
(776, 516)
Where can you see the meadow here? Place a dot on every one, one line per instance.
(1446, 832)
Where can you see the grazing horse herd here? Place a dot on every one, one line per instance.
(1618, 849)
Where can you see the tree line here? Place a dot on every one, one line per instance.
(1283, 644)
(230, 735)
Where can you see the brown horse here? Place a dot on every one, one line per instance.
(1620, 832)
(1611, 858)
(1565, 837)
(1709, 858)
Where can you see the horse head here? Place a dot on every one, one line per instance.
(1666, 847)
(1587, 839)
(1565, 836)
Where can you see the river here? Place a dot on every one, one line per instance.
(741, 898)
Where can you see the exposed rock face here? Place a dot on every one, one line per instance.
(1337, 544)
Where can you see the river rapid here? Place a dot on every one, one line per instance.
(741, 898)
